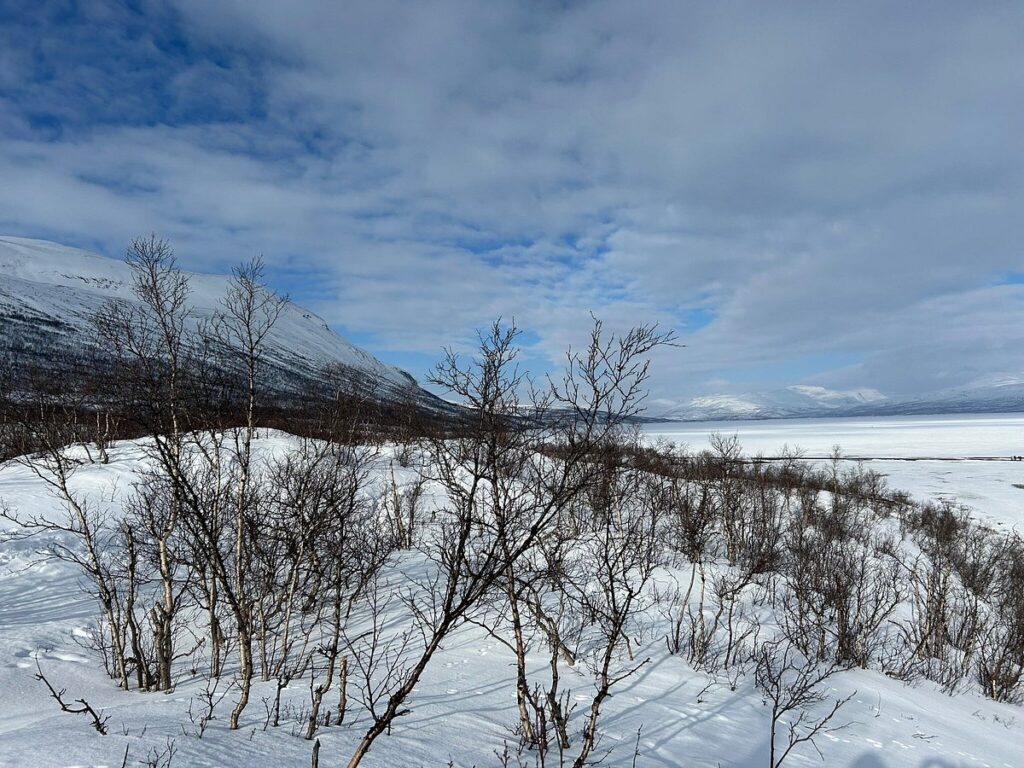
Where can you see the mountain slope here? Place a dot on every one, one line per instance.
(49, 292)
(1000, 393)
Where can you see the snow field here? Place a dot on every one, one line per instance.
(463, 709)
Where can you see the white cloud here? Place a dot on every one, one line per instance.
(834, 181)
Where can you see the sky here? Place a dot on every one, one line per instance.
(806, 193)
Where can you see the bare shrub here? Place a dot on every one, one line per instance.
(506, 479)
(99, 721)
(791, 685)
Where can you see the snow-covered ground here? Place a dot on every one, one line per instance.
(966, 458)
(463, 709)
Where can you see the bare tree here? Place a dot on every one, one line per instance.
(475, 536)
(1001, 652)
(151, 343)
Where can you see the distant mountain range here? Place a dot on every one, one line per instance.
(49, 293)
(997, 394)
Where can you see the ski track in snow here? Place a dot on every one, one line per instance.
(463, 708)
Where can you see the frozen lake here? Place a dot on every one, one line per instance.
(963, 457)
(958, 436)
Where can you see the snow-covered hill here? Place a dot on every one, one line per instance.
(49, 292)
(790, 402)
(995, 394)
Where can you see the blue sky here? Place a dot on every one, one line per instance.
(807, 193)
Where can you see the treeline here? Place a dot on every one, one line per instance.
(347, 556)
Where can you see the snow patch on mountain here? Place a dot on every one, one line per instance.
(823, 395)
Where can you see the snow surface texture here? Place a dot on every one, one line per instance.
(51, 286)
(464, 706)
(957, 457)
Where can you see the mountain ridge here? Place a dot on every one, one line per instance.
(49, 293)
(997, 393)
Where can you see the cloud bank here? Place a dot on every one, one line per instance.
(808, 193)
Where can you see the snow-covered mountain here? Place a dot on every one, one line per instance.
(799, 400)
(1001, 393)
(998, 393)
(49, 292)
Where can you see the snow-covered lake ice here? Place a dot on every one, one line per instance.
(963, 457)
(903, 437)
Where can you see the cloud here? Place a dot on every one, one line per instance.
(807, 193)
